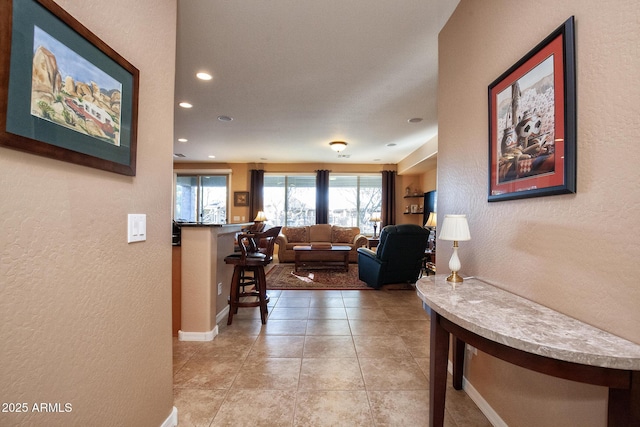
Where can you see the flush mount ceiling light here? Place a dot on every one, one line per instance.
(225, 118)
(204, 76)
(185, 105)
(182, 140)
(338, 145)
(415, 120)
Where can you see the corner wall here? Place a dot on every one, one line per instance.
(575, 253)
(85, 318)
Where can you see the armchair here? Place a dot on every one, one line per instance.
(398, 258)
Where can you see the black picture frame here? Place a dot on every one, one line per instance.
(241, 198)
(65, 94)
(532, 122)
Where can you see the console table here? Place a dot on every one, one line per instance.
(526, 334)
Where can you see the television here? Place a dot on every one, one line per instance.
(430, 203)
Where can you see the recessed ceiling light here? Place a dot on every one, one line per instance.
(263, 158)
(376, 160)
(391, 144)
(182, 140)
(225, 118)
(204, 76)
(415, 120)
(211, 157)
(185, 105)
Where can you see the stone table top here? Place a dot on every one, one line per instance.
(517, 322)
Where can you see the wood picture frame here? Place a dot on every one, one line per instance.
(241, 198)
(65, 94)
(532, 122)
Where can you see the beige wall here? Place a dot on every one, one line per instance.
(430, 180)
(85, 318)
(574, 253)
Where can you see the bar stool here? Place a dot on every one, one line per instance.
(256, 227)
(256, 252)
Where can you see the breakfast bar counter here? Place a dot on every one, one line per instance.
(204, 277)
(527, 334)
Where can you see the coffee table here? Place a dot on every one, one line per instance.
(309, 252)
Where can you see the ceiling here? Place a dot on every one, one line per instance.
(295, 75)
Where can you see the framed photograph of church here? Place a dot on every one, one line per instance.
(65, 93)
(532, 122)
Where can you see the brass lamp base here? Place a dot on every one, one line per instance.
(455, 278)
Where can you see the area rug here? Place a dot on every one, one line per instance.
(282, 276)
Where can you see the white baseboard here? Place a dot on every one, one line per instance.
(205, 336)
(172, 419)
(477, 398)
(222, 315)
(482, 404)
(198, 336)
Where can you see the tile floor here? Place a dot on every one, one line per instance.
(324, 358)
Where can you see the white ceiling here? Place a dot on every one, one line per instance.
(297, 74)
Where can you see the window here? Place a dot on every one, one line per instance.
(201, 198)
(354, 199)
(290, 200)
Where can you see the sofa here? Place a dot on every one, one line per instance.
(319, 233)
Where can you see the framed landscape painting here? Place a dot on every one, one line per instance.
(65, 93)
(532, 122)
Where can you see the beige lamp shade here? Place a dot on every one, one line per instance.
(455, 228)
(375, 218)
(260, 217)
(431, 221)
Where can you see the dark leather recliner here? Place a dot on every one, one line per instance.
(398, 258)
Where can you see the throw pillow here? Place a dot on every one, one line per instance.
(342, 234)
(296, 234)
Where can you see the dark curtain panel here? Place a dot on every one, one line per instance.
(322, 197)
(256, 192)
(388, 198)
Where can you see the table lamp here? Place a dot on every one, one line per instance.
(455, 228)
(375, 219)
(431, 221)
(260, 217)
(431, 225)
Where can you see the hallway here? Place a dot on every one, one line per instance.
(324, 358)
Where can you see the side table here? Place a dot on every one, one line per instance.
(429, 262)
(373, 242)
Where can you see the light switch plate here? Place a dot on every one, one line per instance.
(136, 228)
